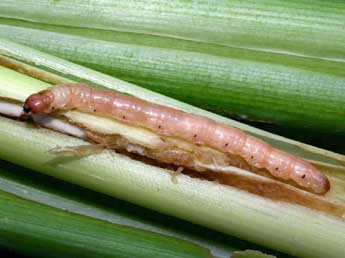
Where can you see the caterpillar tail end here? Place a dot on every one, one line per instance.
(325, 187)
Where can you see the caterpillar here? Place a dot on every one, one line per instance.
(171, 122)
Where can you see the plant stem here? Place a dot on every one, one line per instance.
(220, 207)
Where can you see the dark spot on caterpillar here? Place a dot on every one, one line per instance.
(159, 126)
(194, 135)
(252, 157)
(123, 117)
(53, 108)
(226, 144)
(277, 169)
(303, 176)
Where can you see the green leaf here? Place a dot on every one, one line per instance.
(42, 231)
(250, 254)
(308, 27)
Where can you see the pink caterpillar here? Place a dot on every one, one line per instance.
(171, 122)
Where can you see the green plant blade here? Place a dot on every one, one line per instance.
(207, 203)
(39, 230)
(250, 254)
(272, 25)
(225, 80)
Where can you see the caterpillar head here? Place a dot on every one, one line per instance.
(38, 103)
